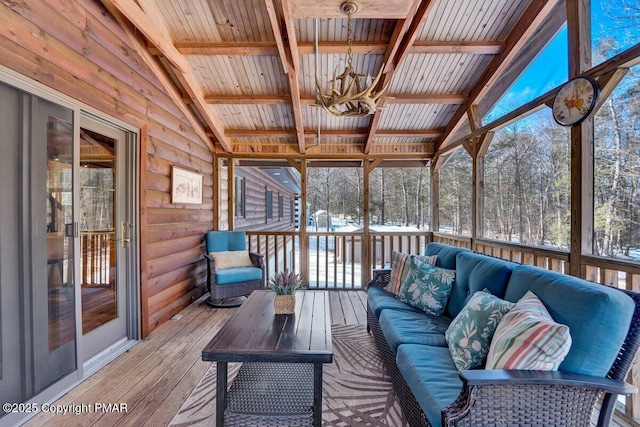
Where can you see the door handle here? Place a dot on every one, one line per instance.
(123, 234)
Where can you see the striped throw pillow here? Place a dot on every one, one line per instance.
(527, 338)
(400, 264)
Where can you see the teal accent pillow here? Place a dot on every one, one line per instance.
(469, 334)
(426, 287)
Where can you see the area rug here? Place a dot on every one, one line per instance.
(356, 392)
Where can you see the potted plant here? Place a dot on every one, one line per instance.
(285, 284)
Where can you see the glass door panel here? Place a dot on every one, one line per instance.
(103, 231)
(97, 229)
(52, 257)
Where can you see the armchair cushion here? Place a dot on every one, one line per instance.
(231, 259)
(239, 274)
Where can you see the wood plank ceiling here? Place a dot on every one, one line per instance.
(248, 67)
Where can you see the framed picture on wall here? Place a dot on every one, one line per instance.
(186, 186)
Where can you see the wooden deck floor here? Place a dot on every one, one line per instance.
(155, 377)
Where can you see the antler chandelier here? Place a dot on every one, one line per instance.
(351, 93)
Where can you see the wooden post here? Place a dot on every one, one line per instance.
(365, 274)
(579, 30)
(435, 198)
(304, 240)
(216, 193)
(231, 185)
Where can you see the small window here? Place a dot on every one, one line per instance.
(280, 207)
(239, 197)
(269, 197)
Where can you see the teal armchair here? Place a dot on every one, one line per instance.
(232, 271)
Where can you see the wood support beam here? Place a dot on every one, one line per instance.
(366, 238)
(435, 198)
(159, 71)
(334, 133)
(435, 47)
(148, 20)
(290, 60)
(403, 37)
(216, 193)
(227, 99)
(522, 31)
(231, 185)
(582, 138)
(608, 84)
(304, 238)
(274, 18)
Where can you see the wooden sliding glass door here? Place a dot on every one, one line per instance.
(104, 235)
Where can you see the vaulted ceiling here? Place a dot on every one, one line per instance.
(245, 70)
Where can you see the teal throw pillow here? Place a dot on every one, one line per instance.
(426, 287)
(469, 334)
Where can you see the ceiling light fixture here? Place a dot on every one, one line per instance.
(351, 94)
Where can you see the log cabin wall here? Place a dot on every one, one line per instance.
(256, 185)
(79, 49)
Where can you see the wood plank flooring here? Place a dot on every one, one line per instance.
(156, 376)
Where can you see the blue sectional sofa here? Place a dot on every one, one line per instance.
(603, 324)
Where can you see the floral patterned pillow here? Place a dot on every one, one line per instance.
(426, 287)
(469, 334)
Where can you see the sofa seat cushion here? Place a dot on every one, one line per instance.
(432, 377)
(408, 327)
(379, 299)
(588, 309)
(475, 272)
(238, 274)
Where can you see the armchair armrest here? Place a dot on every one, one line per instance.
(381, 278)
(481, 377)
(257, 259)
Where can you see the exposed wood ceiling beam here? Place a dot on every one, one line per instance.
(456, 47)
(524, 28)
(148, 20)
(335, 133)
(328, 48)
(161, 73)
(401, 40)
(399, 98)
(277, 34)
(292, 66)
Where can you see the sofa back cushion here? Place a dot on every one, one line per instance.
(446, 254)
(475, 272)
(598, 316)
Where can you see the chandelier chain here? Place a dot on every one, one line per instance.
(349, 36)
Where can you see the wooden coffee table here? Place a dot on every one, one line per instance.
(256, 334)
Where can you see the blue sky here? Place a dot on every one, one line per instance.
(550, 69)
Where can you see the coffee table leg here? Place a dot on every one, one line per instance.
(221, 392)
(317, 394)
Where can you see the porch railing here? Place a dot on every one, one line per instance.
(335, 260)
